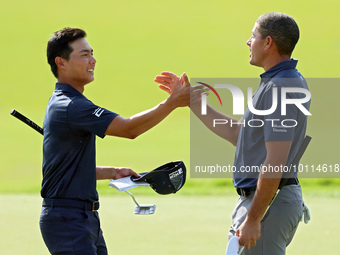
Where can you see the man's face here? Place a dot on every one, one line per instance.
(256, 45)
(81, 64)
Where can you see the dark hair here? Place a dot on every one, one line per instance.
(282, 28)
(58, 45)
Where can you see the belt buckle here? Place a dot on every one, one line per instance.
(94, 206)
(244, 193)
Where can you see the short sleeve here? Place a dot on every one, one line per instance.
(84, 116)
(279, 127)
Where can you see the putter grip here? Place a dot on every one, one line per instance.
(297, 158)
(27, 121)
(302, 150)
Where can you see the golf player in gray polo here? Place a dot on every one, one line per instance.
(270, 146)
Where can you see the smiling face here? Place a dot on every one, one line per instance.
(256, 46)
(78, 70)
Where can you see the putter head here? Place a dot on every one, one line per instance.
(145, 209)
(233, 246)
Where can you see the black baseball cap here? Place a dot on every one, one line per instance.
(166, 179)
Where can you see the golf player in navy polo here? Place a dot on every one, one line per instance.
(271, 44)
(69, 220)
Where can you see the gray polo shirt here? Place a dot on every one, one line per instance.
(256, 128)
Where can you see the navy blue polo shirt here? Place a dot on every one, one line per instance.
(71, 125)
(256, 129)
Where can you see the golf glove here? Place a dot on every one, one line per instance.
(306, 214)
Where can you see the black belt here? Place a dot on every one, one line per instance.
(247, 191)
(85, 205)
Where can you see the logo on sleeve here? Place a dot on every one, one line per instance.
(98, 112)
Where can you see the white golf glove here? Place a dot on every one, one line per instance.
(306, 214)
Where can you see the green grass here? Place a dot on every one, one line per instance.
(180, 225)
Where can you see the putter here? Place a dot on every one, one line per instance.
(302, 149)
(27, 121)
(142, 209)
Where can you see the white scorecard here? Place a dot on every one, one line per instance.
(233, 246)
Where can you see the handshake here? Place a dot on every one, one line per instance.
(179, 89)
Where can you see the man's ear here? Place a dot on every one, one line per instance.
(268, 42)
(60, 62)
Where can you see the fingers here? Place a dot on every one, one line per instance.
(242, 242)
(169, 74)
(128, 172)
(133, 173)
(249, 233)
(173, 85)
(185, 79)
(167, 78)
(246, 243)
(122, 172)
(166, 89)
(162, 79)
(246, 240)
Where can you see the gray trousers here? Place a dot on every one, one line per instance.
(278, 225)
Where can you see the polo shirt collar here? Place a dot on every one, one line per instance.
(289, 64)
(66, 88)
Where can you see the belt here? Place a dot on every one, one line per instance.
(247, 191)
(85, 205)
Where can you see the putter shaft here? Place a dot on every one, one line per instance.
(132, 197)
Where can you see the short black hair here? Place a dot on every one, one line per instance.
(58, 45)
(282, 28)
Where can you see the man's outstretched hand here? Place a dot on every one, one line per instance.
(168, 81)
